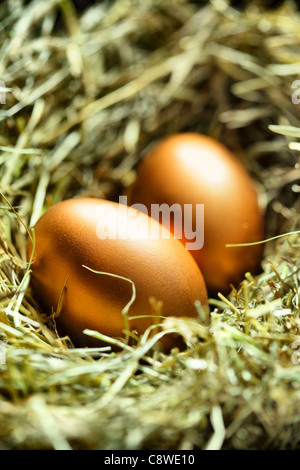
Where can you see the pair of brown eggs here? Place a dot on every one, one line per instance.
(91, 255)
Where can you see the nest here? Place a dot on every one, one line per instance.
(87, 93)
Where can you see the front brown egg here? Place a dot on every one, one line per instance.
(194, 171)
(94, 252)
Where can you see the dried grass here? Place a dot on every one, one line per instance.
(86, 96)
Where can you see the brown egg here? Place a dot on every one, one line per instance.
(190, 169)
(76, 236)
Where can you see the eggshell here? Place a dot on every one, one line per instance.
(196, 169)
(110, 238)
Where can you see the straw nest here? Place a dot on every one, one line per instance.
(87, 93)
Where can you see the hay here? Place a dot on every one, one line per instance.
(87, 94)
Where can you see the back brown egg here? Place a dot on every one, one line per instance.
(190, 169)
